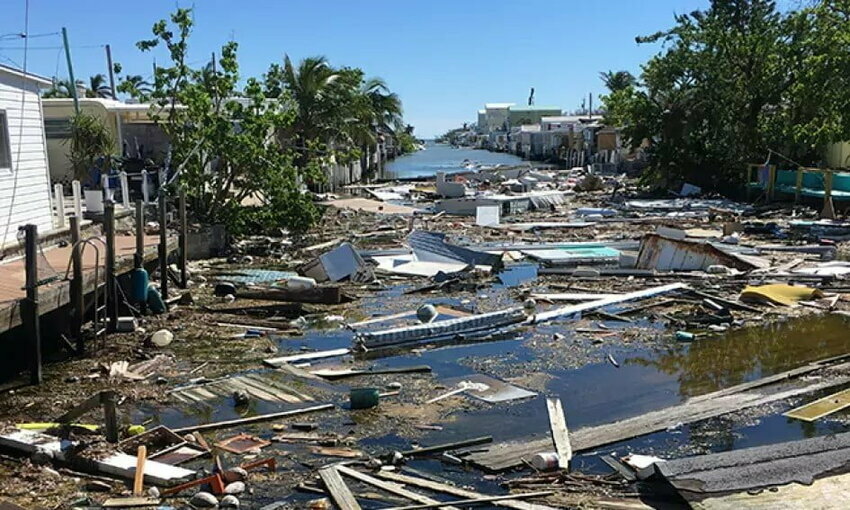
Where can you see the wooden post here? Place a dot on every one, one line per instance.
(78, 199)
(183, 241)
(163, 244)
(771, 182)
(125, 190)
(145, 189)
(59, 201)
(140, 233)
(107, 399)
(77, 303)
(30, 315)
(111, 282)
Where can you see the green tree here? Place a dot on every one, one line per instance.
(223, 136)
(734, 82)
(98, 87)
(619, 80)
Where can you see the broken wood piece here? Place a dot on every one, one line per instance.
(560, 434)
(821, 407)
(341, 373)
(428, 450)
(242, 443)
(340, 492)
(138, 479)
(328, 295)
(455, 491)
(294, 358)
(253, 419)
(475, 501)
(392, 488)
(130, 502)
(575, 310)
(345, 453)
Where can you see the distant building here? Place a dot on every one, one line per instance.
(482, 121)
(24, 177)
(497, 116)
(524, 115)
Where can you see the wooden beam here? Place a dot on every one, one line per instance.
(330, 295)
(340, 493)
(560, 434)
(252, 419)
(821, 407)
(392, 488)
(455, 491)
(475, 501)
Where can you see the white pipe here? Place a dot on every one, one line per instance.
(145, 190)
(125, 190)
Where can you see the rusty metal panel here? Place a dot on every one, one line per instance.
(666, 254)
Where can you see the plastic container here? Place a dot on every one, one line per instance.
(155, 302)
(300, 283)
(363, 398)
(546, 461)
(139, 283)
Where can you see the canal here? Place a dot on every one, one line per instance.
(443, 158)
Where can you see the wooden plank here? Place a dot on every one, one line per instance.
(428, 450)
(271, 382)
(508, 455)
(821, 407)
(252, 419)
(455, 491)
(325, 295)
(239, 384)
(260, 389)
(340, 493)
(392, 488)
(130, 502)
(560, 434)
(567, 311)
(307, 356)
(476, 501)
(349, 372)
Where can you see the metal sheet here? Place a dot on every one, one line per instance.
(821, 407)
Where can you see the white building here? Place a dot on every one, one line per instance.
(24, 175)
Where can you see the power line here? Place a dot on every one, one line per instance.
(24, 48)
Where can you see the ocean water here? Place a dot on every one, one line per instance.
(443, 158)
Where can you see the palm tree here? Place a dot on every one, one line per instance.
(98, 87)
(619, 80)
(135, 85)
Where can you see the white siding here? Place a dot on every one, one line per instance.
(28, 179)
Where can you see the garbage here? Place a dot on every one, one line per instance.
(235, 488)
(546, 461)
(426, 313)
(343, 262)
(779, 293)
(204, 500)
(229, 501)
(162, 338)
(363, 398)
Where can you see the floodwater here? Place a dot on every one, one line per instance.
(443, 158)
(651, 376)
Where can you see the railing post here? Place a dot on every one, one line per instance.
(30, 312)
(78, 199)
(59, 202)
(183, 241)
(163, 244)
(145, 189)
(77, 302)
(111, 283)
(125, 190)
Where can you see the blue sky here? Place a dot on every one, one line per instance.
(444, 58)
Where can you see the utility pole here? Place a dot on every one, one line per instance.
(71, 71)
(213, 62)
(590, 105)
(111, 72)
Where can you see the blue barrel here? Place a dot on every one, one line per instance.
(155, 302)
(139, 283)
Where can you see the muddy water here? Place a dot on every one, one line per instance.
(652, 375)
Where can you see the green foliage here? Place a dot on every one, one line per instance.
(222, 137)
(90, 147)
(735, 81)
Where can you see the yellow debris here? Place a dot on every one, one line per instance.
(780, 293)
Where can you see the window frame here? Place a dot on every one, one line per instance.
(5, 139)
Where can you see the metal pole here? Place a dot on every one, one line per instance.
(111, 71)
(140, 232)
(71, 71)
(110, 416)
(163, 244)
(77, 302)
(183, 241)
(111, 289)
(30, 316)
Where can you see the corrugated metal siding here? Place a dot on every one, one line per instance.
(20, 100)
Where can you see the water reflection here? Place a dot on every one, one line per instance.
(717, 362)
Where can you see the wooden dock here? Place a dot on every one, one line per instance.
(57, 294)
